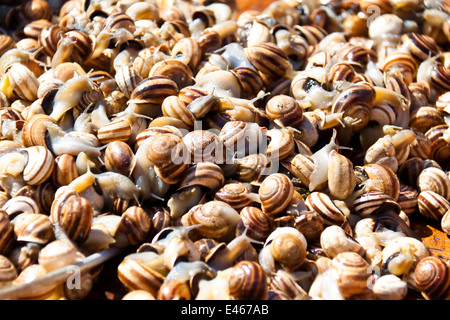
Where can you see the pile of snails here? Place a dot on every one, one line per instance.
(218, 154)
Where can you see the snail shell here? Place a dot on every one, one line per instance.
(8, 271)
(255, 223)
(153, 90)
(75, 217)
(135, 275)
(268, 58)
(205, 174)
(352, 273)
(254, 168)
(356, 102)
(39, 166)
(57, 254)
(247, 281)
(284, 111)
(390, 287)
(65, 170)
(174, 107)
(7, 236)
(335, 240)
(117, 130)
(138, 295)
(23, 81)
(203, 145)
(383, 179)
(322, 204)
(235, 194)
(432, 277)
(28, 275)
(276, 192)
(175, 70)
(281, 143)
(341, 176)
(216, 219)
(34, 130)
(33, 227)
(369, 202)
(301, 166)
(20, 204)
(127, 79)
(119, 157)
(440, 149)
(134, 227)
(445, 222)
(174, 289)
(434, 179)
(432, 205)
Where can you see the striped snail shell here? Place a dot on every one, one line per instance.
(247, 281)
(175, 70)
(268, 58)
(119, 157)
(127, 79)
(20, 204)
(118, 129)
(321, 203)
(174, 289)
(75, 218)
(206, 174)
(235, 194)
(356, 102)
(257, 224)
(254, 168)
(153, 90)
(57, 254)
(49, 37)
(33, 227)
(432, 278)
(284, 110)
(301, 166)
(440, 149)
(383, 179)
(369, 202)
(136, 275)
(421, 46)
(432, 205)
(434, 179)
(23, 81)
(203, 146)
(187, 50)
(134, 227)
(352, 273)
(174, 107)
(7, 236)
(39, 166)
(34, 130)
(250, 81)
(276, 192)
(8, 271)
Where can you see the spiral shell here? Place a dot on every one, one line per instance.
(247, 281)
(369, 202)
(39, 166)
(254, 168)
(356, 102)
(432, 205)
(235, 194)
(383, 179)
(8, 271)
(204, 146)
(23, 81)
(432, 277)
(284, 110)
(33, 227)
(134, 227)
(434, 179)
(322, 204)
(421, 46)
(153, 90)
(206, 174)
(174, 69)
(7, 236)
(268, 58)
(276, 192)
(57, 254)
(257, 225)
(75, 217)
(216, 219)
(352, 273)
(174, 289)
(135, 275)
